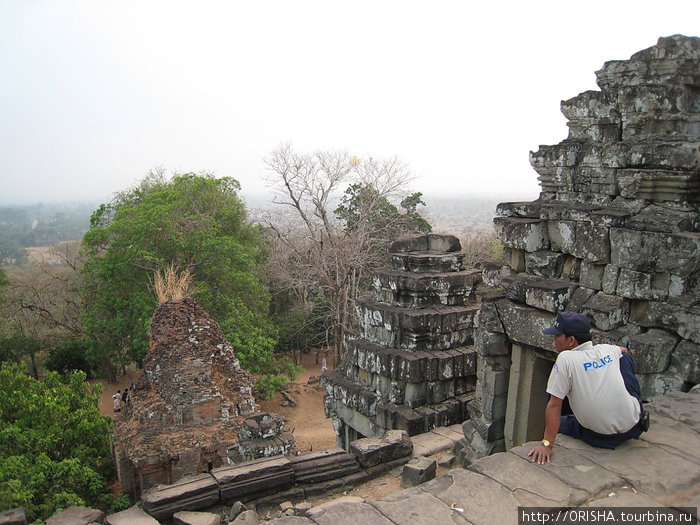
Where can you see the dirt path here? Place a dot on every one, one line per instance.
(307, 421)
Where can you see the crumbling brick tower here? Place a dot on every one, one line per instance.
(193, 407)
(615, 234)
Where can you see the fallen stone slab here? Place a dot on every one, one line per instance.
(453, 432)
(314, 467)
(646, 467)
(571, 468)
(16, 516)
(131, 516)
(417, 507)
(418, 471)
(532, 486)
(254, 479)
(189, 493)
(76, 515)
(347, 512)
(290, 520)
(196, 518)
(430, 443)
(485, 502)
(247, 517)
(375, 450)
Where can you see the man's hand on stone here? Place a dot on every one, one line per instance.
(541, 454)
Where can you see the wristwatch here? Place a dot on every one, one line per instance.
(546, 443)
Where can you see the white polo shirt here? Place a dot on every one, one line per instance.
(590, 377)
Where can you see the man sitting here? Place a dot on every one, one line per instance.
(600, 384)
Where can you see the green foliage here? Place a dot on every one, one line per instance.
(363, 205)
(54, 444)
(17, 346)
(193, 221)
(121, 502)
(70, 355)
(266, 386)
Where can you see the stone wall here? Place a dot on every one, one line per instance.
(615, 234)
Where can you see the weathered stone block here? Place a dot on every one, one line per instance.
(544, 263)
(253, 479)
(489, 344)
(417, 471)
(314, 467)
(652, 350)
(682, 319)
(16, 516)
(519, 209)
(562, 236)
(579, 298)
(611, 274)
(655, 218)
(196, 518)
(607, 312)
(427, 262)
(131, 516)
(524, 234)
(516, 286)
(372, 451)
(639, 285)
(640, 250)
(685, 362)
(591, 275)
(551, 295)
(526, 333)
(591, 242)
(517, 260)
(488, 318)
(189, 493)
(75, 515)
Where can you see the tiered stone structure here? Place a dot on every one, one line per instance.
(193, 407)
(411, 367)
(615, 234)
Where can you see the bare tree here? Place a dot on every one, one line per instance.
(336, 221)
(42, 298)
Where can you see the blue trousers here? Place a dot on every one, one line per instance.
(571, 427)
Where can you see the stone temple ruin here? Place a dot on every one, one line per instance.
(192, 409)
(412, 367)
(615, 234)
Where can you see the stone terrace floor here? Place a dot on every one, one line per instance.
(662, 468)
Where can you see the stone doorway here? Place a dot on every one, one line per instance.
(527, 396)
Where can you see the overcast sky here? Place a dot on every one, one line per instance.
(95, 93)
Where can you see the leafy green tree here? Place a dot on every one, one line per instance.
(192, 222)
(54, 444)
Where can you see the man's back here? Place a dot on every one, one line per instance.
(589, 375)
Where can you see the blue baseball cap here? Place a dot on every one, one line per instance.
(569, 323)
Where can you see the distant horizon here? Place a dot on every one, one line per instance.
(258, 197)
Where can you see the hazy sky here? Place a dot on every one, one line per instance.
(94, 93)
